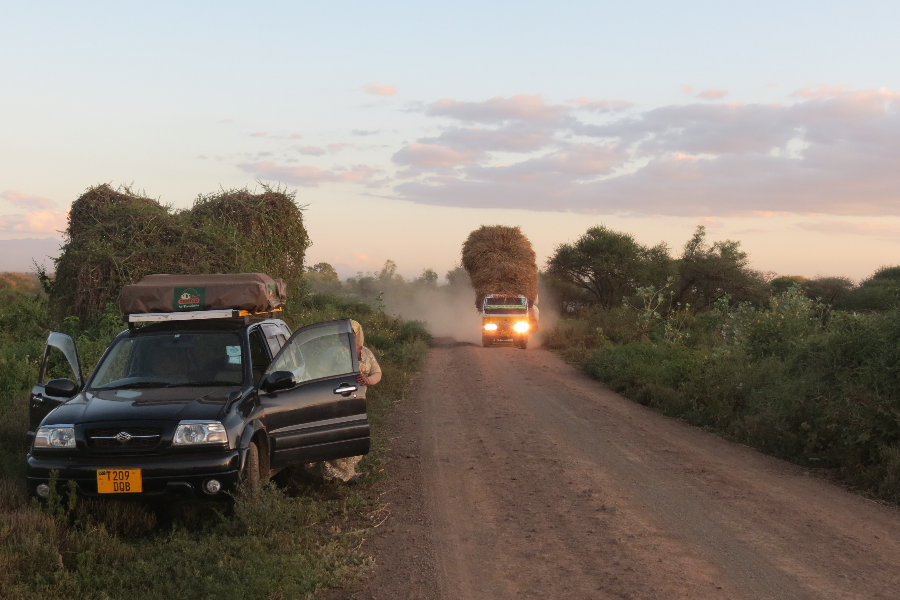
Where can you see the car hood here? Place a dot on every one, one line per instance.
(155, 404)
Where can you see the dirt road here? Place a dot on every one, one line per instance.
(515, 475)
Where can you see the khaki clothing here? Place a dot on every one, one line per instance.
(368, 366)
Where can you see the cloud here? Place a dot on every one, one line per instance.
(712, 94)
(296, 136)
(307, 176)
(34, 221)
(226, 121)
(379, 90)
(832, 151)
(25, 201)
(364, 132)
(868, 228)
(259, 134)
(602, 106)
(520, 107)
(435, 156)
(311, 150)
(337, 147)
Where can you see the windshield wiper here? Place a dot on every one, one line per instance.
(138, 384)
(203, 384)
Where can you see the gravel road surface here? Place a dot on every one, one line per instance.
(514, 475)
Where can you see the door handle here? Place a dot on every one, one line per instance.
(345, 389)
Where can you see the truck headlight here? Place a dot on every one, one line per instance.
(55, 436)
(521, 327)
(199, 432)
(491, 327)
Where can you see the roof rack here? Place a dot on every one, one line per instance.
(193, 315)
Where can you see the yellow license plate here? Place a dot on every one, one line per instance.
(119, 481)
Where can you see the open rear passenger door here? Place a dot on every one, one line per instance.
(315, 410)
(58, 364)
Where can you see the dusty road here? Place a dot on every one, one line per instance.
(515, 475)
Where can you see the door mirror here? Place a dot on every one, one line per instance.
(279, 380)
(61, 388)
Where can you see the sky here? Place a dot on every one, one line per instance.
(403, 126)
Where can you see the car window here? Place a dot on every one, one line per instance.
(273, 338)
(258, 356)
(323, 351)
(170, 360)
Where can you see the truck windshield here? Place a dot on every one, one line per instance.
(505, 306)
(171, 360)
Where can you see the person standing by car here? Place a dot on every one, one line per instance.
(344, 469)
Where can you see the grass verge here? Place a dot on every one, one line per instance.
(292, 540)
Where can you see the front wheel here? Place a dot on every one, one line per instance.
(523, 343)
(486, 341)
(251, 468)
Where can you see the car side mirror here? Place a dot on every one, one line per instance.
(279, 380)
(62, 388)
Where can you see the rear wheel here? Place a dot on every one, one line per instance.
(251, 468)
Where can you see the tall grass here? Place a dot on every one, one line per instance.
(793, 379)
(291, 540)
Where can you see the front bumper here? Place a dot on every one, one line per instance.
(171, 476)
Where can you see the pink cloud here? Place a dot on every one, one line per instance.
(380, 90)
(26, 201)
(870, 228)
(823, 91)
(686, 89)
(712, 94)
(435, 156)
(307, 176)
(602, 106)
(311, 150)
(296, 136)
(337, 147)
(34, 221)
(259, 134)
(520, 107)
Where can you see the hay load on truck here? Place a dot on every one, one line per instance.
(503, 269)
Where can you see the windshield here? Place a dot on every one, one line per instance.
(171, 360)
(509, 305)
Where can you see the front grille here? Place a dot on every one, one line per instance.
(123, 437)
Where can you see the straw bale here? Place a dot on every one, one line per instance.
(116, 237)
(500, 260)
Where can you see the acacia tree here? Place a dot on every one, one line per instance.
(609, 265)
(707, 272)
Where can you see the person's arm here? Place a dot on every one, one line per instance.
(374, 370)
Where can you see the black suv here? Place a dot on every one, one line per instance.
(186, 408)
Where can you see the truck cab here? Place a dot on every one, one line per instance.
(507, 318)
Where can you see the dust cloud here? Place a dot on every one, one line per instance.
(447, 311)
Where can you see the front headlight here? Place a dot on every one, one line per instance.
(491, 327)
(521, 327)
(55, 436)
(199, 432)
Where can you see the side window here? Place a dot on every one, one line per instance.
(57, 366)
(316, 353)
(258, 356)
(273, 338)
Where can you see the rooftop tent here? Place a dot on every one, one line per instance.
(253, 292)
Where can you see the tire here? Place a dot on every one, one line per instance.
(486, 341)
(250, 473)
(523, 343)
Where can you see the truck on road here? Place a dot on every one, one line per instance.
(507, 318)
